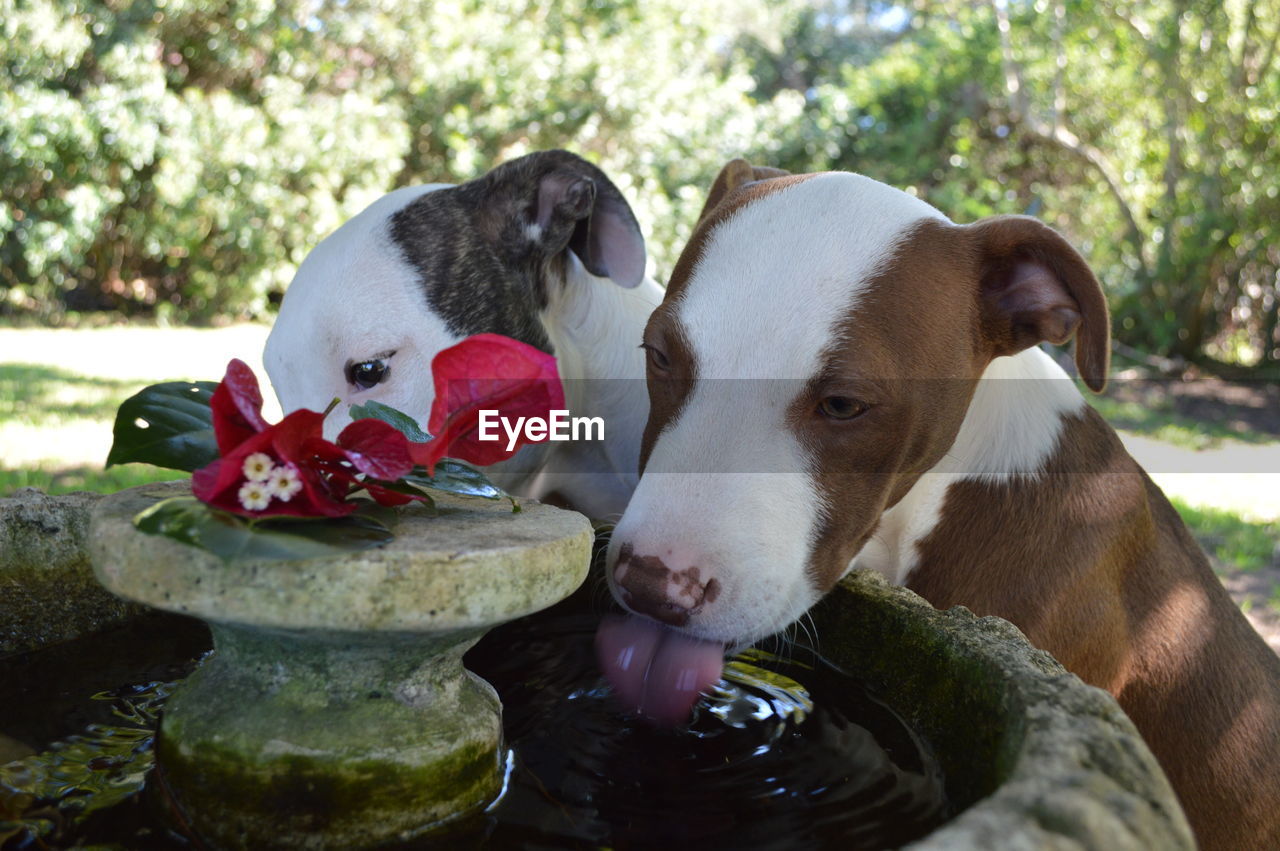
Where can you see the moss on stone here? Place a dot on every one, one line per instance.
(306, 747)
(1034, 758)
(48, 592)
(303, 800)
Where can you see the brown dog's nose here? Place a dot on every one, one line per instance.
(650, 587)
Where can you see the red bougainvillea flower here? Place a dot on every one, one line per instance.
(289, 468)
(486, 372)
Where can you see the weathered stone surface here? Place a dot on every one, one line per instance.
(328, 740)
(47, 590)
(1037, 759)
(335, 711)
(477, 564)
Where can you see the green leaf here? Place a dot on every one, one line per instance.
(454, 476)
(407, 425)
(229, 537)
(168, 425)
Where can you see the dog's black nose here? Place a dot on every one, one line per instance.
(649, 587)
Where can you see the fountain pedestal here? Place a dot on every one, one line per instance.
(335, 710)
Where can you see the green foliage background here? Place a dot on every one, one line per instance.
(180, 157)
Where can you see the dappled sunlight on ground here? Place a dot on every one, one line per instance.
(142, 355)
(1243, 478)
(52, 445)
(59, 388)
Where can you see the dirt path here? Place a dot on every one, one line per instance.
(1241, 406)
(1255, 592)
(1238, 477)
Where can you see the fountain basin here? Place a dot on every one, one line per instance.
(1033, 757)
(335, 710)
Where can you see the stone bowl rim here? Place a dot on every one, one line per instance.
(1070, 771)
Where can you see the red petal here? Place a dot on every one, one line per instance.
(482, 366)
(427, 454)
(381, 495)
(386, 496)
(377, 449)
(219, 483)
(291, 435)
(204, 482)
(288, 441)
(486, 372)
(237, 407)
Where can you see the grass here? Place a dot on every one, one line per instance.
(1237, 543)
(34, 394)
(36, 399)
(84, 478)
(1161, 422)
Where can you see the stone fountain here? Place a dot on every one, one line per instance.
(335, 710)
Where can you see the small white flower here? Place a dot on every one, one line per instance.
(254, 496)
(284, 483)
(258, 467)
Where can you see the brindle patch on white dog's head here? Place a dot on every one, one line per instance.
(486, 251)
(424, 267)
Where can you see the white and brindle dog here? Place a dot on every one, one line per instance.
(544, 249)
(886, 406)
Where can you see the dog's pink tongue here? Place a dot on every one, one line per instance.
(655, 671)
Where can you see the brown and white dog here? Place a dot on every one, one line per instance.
(884, 405)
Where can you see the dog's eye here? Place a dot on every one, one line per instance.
(367, 373)
(657, 359)
(841, 408)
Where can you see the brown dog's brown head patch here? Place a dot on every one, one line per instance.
(819, 350)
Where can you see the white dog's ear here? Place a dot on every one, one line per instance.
(1034, 287)
(580, 209)
(736, 173)
(534, 208)
(564, 203)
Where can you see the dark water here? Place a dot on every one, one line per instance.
(786, 754)
(91, 707)
(48, 695)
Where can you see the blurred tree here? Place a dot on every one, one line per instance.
(1170, 107)
(1144, 131)
(182, 156)
(157, 153)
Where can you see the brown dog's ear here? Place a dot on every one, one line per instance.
(735, 173)
(1036, 288)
